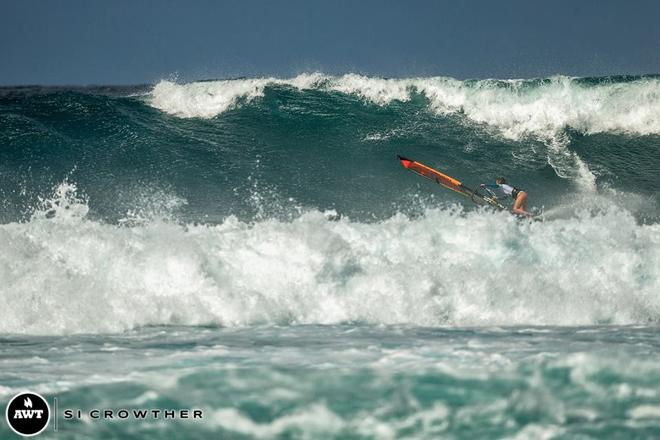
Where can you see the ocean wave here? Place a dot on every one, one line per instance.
(545, 110)
(64, 273)
(516, 108)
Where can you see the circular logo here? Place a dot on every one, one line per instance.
(27, 414)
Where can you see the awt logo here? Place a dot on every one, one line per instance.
(28, 414)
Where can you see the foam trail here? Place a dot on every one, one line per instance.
(568, 164)
(63, 274)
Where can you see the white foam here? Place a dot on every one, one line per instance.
(204, 99)
(69, 274)
(518, 108)
(538, 432)
(645, 412)
(377, 90)
(211, 98)
(315, 421)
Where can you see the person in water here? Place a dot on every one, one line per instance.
(519, 197)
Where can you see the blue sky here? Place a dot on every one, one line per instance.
(138, 41)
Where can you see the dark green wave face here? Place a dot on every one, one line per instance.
(260, 148)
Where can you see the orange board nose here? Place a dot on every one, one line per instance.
(405, 162)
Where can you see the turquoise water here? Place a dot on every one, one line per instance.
(353, 381)
(253, 248)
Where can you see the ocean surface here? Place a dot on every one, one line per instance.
(253, 248)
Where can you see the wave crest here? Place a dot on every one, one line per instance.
(516, 108)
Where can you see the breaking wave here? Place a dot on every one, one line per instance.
(63, 273)
(541, 109)
(516, 108)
